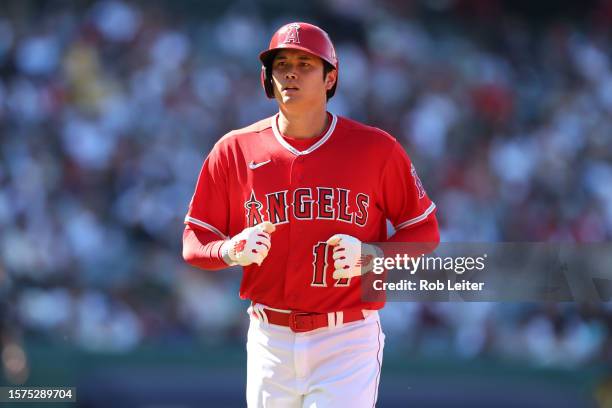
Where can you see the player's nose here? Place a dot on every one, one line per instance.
(290, 75)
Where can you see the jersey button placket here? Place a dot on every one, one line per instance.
(299, 180)
(298, 169)
(295, 230)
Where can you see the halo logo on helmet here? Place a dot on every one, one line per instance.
(292, 34)
(298, 36)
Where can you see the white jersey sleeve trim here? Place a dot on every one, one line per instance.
(205, 225)
(283, 142)
(416, 220)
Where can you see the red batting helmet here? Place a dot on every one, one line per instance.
(298, 36)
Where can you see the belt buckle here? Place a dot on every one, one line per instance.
(305, 325)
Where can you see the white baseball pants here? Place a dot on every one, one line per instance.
(324, 368)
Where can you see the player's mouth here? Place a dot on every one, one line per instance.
(290, 88)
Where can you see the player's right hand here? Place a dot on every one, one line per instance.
(250, 246)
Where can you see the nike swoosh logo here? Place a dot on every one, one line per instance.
(253, 165)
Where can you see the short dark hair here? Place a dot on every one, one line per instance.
(327, 68)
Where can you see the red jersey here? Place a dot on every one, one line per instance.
(350, 181)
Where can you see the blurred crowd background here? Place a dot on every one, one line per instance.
(107, 110)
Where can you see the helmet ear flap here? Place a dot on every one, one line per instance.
(266, 81)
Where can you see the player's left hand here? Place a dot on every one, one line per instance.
(351, 256)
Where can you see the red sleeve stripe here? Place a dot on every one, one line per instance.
(205, 225)
(418, 219)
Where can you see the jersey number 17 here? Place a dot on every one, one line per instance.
(322, 263)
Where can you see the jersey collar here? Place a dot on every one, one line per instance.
(283, 142)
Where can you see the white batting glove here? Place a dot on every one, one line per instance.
(349, 261)
(249, 246)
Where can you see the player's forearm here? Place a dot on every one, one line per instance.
(426, 231)
(202, 249)
(425, 237)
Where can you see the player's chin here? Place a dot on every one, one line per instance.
(289, 98)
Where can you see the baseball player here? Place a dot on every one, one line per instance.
(294, 199)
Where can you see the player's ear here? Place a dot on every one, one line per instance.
(330, 79)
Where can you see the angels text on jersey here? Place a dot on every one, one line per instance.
(306, 203)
